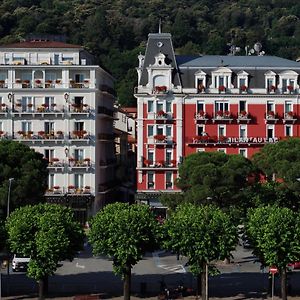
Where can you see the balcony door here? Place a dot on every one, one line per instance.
(78, 181)
(49, 127)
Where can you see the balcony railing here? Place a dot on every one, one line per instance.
(160, 164)
(161, 115)
(79, 85)
(201, 115)
(71, 190)
(79, 108)
(38, 108)
(79, 135)
(40, 135)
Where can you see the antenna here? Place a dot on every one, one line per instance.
(159, 26)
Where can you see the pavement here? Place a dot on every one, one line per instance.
(86, 275)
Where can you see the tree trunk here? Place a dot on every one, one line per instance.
(43, 287)
(127, 282)
(198, 292)
(203, 281)
(283, 284)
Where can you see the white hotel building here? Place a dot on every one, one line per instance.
(54, 99)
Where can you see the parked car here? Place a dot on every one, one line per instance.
(20, 263)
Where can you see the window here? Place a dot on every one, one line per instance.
(288, 130)
(26, 103)
(243, 131)
(78, 181)
(168, 157)
(221, 130)
(221, 106)
(79, 78)
(150, 155)
(168, 106)
(49, 154)
(270, 106)
(78, 101)
(79, 126)
(150, 180)
(243, 106)
(169, 181)
(270, 131)
(150, 106)
(49, 101)
(150, 131)
(270, 80)
(200, 80)
(284, 85)
(242, 79)
(288, 106)
(1, 126)
(200, 130)
(222, 150)
(243, 152)
(49, 127)
(221, 76)
(168, 130)
(50, 76)
(200, 150)
(287, 81)
(79, 154)
(159, 130)
(51, 181)
(26, 126)
(159, 106)
(200, 106)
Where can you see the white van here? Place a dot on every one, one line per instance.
(19, 263)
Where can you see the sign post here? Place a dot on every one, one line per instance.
(273, 270)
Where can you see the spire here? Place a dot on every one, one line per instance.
(159, 26)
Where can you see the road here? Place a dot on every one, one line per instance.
(87, 274)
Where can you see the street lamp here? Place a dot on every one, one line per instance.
(8, 196)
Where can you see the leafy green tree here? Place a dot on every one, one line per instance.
(281, 161)
(124, 232)
(202, 234)
(214, 177)
(47, 233)
(29, 170)
(275, 233)
(3, 235)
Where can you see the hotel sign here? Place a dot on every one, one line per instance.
(252, 140)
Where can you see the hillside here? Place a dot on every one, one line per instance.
(116, 31)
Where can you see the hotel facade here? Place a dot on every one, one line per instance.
(56, 101)
(188, 104)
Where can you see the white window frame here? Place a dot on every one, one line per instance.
(291, 127)
(270, 75)
(172, 180)
(222, 103)
(270, 126)
(153, 152)
(273, 106)
(246, 105)
(147, 180)
(200, 75)
(291, 78)
(245, 150)
(242, 75)
(219, 127)
(51, 181)
(150, 111)
(290, 103)
(200, 125)
(224, 72)
(200, 102)
(153, 127)
(171, 157)
(243, 126)
(80, 178)
(222, 150)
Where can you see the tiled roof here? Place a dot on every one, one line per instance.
(41, 44)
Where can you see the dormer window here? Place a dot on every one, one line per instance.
(242, 80)
(270, 81)
(200, 81)
(221, 78)
(287, 81)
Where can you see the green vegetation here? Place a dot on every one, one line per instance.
(48, 234)
(202, 234)
(125, 233)
(29, 170)
(275, 232)
(115, 31)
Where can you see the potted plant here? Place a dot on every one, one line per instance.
(57, 81)
(290, 88)
(161, 113)
(272, 88)
(220, 113)
(270, 114)
(29, 104)
(71, 187)
(18, 81)
(41, 132)
(289, 115)
(226, 114)
(222, 88)
(244, 88)
(201, 88)
(38, 81)
(160, 137)
(243, 114)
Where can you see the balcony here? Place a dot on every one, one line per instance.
(79, 136)
(222, 116)
(163, 116)
(289, 117)
(70, 190)
(243, 117)
(3, 84)
(84, 164)
(161, 165)
(56, 164)
(201, 116)
(160, 90)
(75, 109)
(161, 140)
(79, 85)
(271, 117)
(38, 109)
(40, 136)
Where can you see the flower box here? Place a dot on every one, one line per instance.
(56, 187)
(18, 81)
(160, 137)
(59, 132)
(71, 159)
(54, 159)
(272, 88)
(41, 132)
(29, 104)
(161, 113)
(220, 113)
(18, 104)
(53, 104)
(226, 114)
(244, 88)
(57, 81)
(222, 88)
(3, 104)
(160, 89)
(290, 88)
(71, 187)
(45, 105)
(38, 81)
(20, 132)
(87, 187)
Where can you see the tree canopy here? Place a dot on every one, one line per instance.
(275, 232)
(125, 233)
(214, 177)
(202, 234)
(112, 30)
(29, 170)
(47, 233)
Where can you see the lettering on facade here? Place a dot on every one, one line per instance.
(254, 140)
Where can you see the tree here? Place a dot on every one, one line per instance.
(202, 234)
(124, 232)
(3, 235)
(47, 233)
(26, 166)
(214, 177)
(275, 233)
(281, 161)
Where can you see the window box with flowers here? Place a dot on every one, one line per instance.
(18, 81)
(243, 115)
(161, 114)
(222, 89)
(290, 88)
(148, 162)
(201, 88)
(270, 115)
(289, 115)
(71, 187)
(87, 189)
(38, 82)
(244, 89)
(201, 115)
(160, 137)
(272, 89)
(160, 89)
(219, 114)
(197, 139)
(223, 139)
(168, 184)
(226, 114)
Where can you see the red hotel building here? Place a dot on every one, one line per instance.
(185, 104)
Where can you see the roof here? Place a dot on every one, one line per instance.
(214, 61)
(41, 44)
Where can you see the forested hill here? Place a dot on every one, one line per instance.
(116, 30)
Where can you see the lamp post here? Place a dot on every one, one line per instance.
(8, 196)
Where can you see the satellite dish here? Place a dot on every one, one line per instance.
(252, 51)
